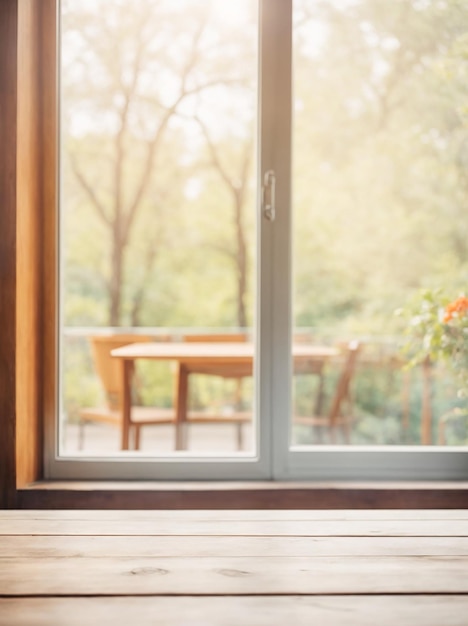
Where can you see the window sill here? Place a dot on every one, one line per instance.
(242, 495)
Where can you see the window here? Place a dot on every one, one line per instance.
(186, 129)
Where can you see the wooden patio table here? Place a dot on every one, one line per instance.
(226, 359)
(234, 568)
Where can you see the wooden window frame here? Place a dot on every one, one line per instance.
(28, 318)
(28, 49)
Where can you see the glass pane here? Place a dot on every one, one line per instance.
(380, 228)
(158, 128)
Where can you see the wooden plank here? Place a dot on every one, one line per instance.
(234, 611)
(348, 528)
(233, 575)
(236, 515)
(99, 546)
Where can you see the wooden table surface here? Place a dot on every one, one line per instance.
(219, 358)
(217, 353)
(268, 568)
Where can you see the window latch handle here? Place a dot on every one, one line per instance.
(268, 195)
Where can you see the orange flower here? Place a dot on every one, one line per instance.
(457, 308)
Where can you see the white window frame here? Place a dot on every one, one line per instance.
(184, 466)
(323, 462)
(275, 458)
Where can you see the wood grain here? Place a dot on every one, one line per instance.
(61, 546)
(232, 575)
(22, 202)
(224, 567)
(237, 515)
(363, 528)
(28, 426)
(239, 611)
(8, 216)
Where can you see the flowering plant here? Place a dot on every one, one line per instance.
(438, 330)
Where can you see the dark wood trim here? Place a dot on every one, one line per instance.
(27, 195)
(247, 495)
(8, 215)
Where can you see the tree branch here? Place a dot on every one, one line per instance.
(216, 161)
(89, 190)
(170, 111)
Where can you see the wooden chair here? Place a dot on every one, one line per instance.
(315, 369)
(108, 370)
(337, 416)
(238, 417)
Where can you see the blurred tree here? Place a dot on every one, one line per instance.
(379, 198)
(237, 184)
(126, 75)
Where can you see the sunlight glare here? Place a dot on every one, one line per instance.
(234, 12)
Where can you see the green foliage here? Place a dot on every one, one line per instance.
(82, 389)
(380, 187)
(379, 170)
(438, 330)
(425, 327)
